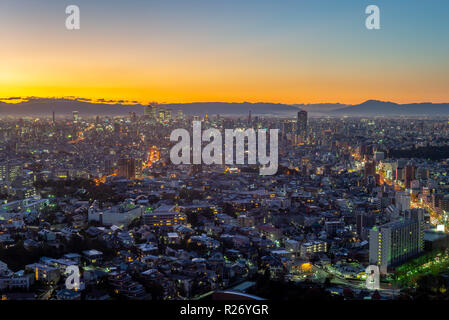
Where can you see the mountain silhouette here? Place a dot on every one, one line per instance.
(65, 107)
(382, 108)
(86, 108)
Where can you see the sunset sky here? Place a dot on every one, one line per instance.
(175, 51)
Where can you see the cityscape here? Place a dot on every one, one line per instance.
(103, 195)
(189, 154)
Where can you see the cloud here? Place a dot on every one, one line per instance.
(83, 99)
(71, 98)
(12, 98)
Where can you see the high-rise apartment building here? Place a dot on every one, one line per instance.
(127, 168)
(396, 242)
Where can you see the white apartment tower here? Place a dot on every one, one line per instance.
(394, 243)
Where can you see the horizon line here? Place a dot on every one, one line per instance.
(17, 100)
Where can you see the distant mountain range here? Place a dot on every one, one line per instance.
(64, 107)
(86, 108)
(381, 108)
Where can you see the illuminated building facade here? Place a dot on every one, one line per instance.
(395, 242)
(164, 216)
(76, 116)
(311, 247)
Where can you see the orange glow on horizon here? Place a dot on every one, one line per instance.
(180, 80)
(189, 79)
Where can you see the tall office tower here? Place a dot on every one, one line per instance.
(396, 242)
(436, 198)
(180, 115)
(3, 170)
(362, 148)
(287, 130)
(161, 114)
(168, 114)
(127, 168)
(284, 128)
(53, 117)
(301, 123)
(109, 165)
(399, 174)
(364, 220)
(148, 111)
(443, 203)
(138, 167)
(155, 112)
(409, 175)
(249, 117)
(75, 115)
(366, 150)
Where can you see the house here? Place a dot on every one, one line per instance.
(93, 256)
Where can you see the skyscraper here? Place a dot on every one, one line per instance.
(409, 174)
(168, 114)
(180, 115)
(364, 220)
(301, 123)
(148, 111)
(161, 114)
(127, 168)
(151, 112)
(75, 115)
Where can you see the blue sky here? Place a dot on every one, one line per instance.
(317, 48)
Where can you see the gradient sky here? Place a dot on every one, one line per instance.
(287, 51)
